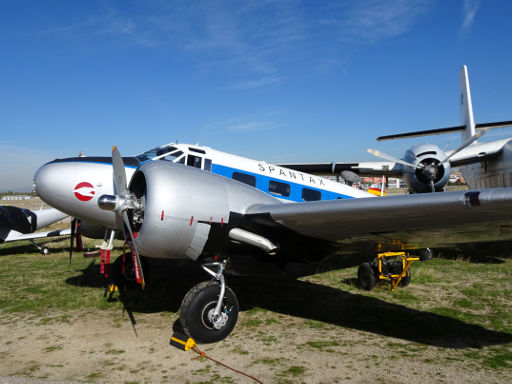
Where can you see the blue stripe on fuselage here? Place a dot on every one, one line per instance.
(262, 182)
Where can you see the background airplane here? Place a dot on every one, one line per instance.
(426, 167)
(191, 202)
(21, 224)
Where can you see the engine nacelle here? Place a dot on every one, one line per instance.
(181, 204)
(433, 172)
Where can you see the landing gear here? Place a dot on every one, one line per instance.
(123, 273)
(42, 249)
(209, 311)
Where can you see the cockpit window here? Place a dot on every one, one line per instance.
(169, 153)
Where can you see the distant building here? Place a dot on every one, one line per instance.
(17, 197)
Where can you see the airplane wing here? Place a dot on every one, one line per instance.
(15, 236)
(478, 152)
(368, 168)
(395, 223)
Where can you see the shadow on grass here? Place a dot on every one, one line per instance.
(482, 253)
(170, 281)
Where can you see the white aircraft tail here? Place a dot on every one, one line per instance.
(468, 127)
(466, 106)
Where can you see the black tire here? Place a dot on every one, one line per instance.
(196, 305)
(126, 279)
(426, 254)
(45, 251)
(406, 280)
(366, 277)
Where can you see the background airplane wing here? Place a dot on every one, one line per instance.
(369, 168)
(396, 222)
(474, 154)
(15, 236)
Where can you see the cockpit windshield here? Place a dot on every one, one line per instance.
(166, 152)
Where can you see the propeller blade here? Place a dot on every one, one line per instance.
(391, 158)
(120, 185)
(71, 239)
(473, 138)
(138, 270)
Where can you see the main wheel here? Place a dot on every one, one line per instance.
(366, 276)
(426, 254)
(198, 308)
(124, 278)
(406, 280)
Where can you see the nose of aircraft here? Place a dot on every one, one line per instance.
(48, 184)
(73, 186)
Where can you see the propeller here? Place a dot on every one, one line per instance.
(391, 158)
(473, 138)
(430, 170)
(120, 203)
(71, 239)
(75, 233)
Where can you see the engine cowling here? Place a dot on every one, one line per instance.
(433, 174)
(180, 204)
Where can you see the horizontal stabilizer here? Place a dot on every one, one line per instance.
(439, 131)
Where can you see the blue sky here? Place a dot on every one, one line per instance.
(274, 80)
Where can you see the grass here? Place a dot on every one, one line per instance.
(455, 312)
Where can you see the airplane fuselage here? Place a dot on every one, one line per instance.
(74, 185)
(491, 173)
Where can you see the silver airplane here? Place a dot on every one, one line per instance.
(426, 167)
(182, 201)
(21, 224)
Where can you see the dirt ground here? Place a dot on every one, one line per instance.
(97, 347)
(275, 347)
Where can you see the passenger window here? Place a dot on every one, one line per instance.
(207, 165)
(245, 178)
(194, 161)
(278, 188)
(311, 194)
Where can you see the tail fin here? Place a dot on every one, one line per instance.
(466, 106)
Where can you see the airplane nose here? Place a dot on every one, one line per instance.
(73, 185)
(47, 183)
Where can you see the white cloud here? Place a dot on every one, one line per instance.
(257, 39)
(469, 12)
(369, 21)
(252, 84)
(250, 126)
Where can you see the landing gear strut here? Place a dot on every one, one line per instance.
(209, 311)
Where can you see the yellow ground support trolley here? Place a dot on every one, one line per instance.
(393, 266)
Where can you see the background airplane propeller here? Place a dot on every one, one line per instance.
(430, 169)
(75, 233)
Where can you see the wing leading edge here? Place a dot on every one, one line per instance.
(397, 222)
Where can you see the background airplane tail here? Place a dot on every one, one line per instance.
(466, 106)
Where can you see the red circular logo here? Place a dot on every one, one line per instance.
(84, 191)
